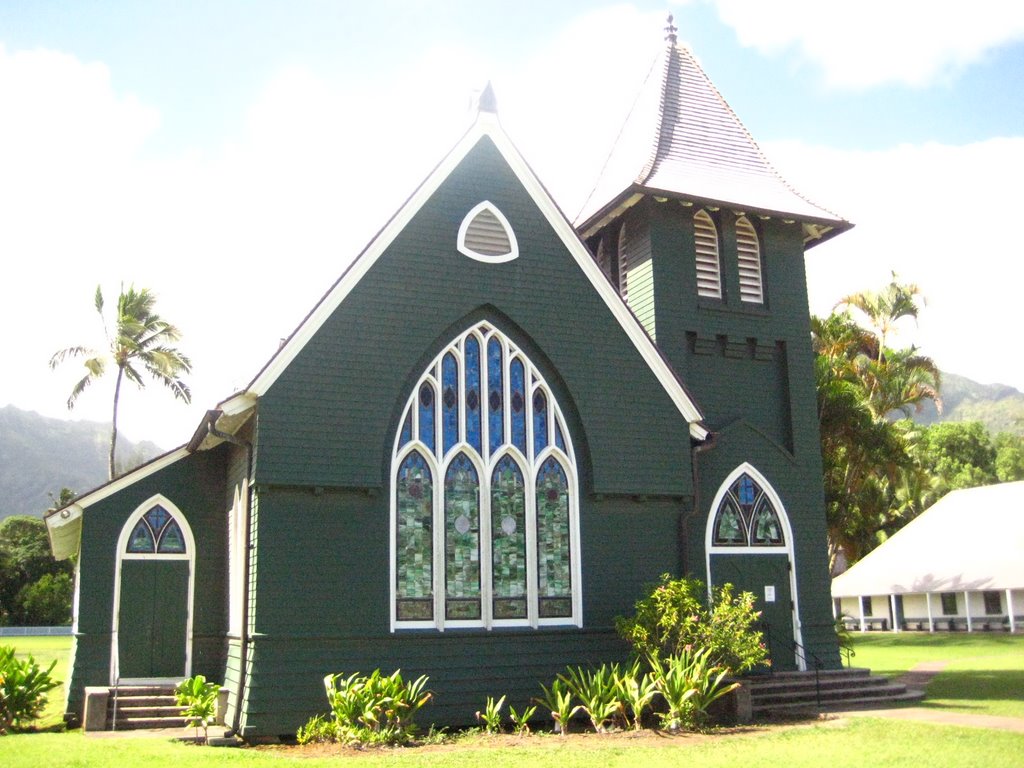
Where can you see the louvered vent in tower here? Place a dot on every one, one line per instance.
(485, 235)
(709, 274)
(748, 256)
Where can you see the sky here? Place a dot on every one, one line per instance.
(234, 157)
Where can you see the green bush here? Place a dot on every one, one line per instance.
(678, 616)
(373, 709)
(199, 698)
(558, 699)
(23, 688)
(688, 684)
(598, 693)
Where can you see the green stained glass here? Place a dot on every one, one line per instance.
(141, 539)
(554, 574)
(171, 540)
(462, 539)
(415, 502)
(729, 526)
(508, 540)
(767, 529)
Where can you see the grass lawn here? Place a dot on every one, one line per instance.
(860, 742)
(985, 673)
(44, 650)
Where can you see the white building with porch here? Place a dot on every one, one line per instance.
(958, 566)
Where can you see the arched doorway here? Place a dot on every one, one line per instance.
(749, 544)
(153, 589)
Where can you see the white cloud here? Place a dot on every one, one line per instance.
(858, 45)
(943, 217)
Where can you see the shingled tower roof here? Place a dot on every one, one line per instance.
(682, 140)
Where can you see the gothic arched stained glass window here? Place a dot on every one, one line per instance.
(746, 517)
(485, 508)
(157, 532)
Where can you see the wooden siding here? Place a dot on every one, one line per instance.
(639, 274)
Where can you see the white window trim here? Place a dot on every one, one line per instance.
(122, 555)
(236, 556)
(711, 548)
(533, 381)
(465, 250)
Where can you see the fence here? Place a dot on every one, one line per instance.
(33, 631)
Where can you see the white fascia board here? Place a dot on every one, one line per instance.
(486, 125)
(238, 403)
(114, 486)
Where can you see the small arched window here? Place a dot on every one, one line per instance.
(485, 501)
(709, 272)
(156, 533)
(748, 257)
(746, 517)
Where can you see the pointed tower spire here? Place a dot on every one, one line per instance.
(488, 102)
(682, 140)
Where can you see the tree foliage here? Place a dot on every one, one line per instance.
(35, 590)
(138, 341)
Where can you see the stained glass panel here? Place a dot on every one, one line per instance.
(766, 529)
(473, 392)
(450, 400)
(157, 518)
(426, 415)
(462, 539)
(141, 539)
(540, 422)
(495, 385)
(729, 528)
(415, 544)
(508, 542)
(559, 440)
(554, 574)
(406, 434)
(171, 541)
(517, 403)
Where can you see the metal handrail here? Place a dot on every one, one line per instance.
(818, 665)
(117, 687)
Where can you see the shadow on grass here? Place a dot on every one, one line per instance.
(975, 685)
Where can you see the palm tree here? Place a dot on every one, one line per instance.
(885, 307)
(138, 339)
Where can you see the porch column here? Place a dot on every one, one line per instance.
(1009, 609)
(860, 606)
(967, 607)
(931, 623)
(892, 613)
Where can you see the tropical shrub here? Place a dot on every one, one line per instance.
(23, 688)
(597, 691)
(678, 614)
(370, 709)
(491, 714)
(636, 690)
(199, 698)
(688, 683)
(558, 699)
(521, 720)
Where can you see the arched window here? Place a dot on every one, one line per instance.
(746, 517)
(485, 496)
(709, 271)
(748, 256)
(486, 235)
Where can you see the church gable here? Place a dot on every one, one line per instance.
(341, 395)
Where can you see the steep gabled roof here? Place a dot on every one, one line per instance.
(681, 139)
(971, 539)
(485, 126)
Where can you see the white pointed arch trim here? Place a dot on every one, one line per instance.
(486, 235)
(189, 554)
(710, 548)
(555, 444)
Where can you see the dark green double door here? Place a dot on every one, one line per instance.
(755, 573)
(152, 630)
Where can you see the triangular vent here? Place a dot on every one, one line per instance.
(485, 235)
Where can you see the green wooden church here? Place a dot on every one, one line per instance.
(490, 434)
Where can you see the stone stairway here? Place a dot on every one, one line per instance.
(130, 707)
(786, 694)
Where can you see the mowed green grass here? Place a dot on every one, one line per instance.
(45, 650)
(853, 743)
(984, 675)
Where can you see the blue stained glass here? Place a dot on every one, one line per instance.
(427, 416)
(473, 392)
(540, 422)
(746, 491)
(172, 541)
(495, 417)
(157, 518)
(450, 400)
(517, 403)
(406, 435)
(559, 440)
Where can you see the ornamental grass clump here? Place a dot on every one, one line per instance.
(23, 688)
(372, 709)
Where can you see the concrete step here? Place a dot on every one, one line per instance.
(136, 723)
(790, 693)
